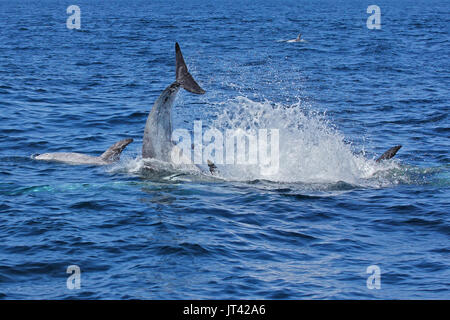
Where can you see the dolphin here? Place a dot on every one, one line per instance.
(157, 142)
(389, 154)
(109, 156)
(298, 39)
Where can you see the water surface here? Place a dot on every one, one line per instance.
(311, 231)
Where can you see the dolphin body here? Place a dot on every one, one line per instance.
(157, 142)
(298, 39)
(109, 156)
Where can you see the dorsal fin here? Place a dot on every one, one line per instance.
(113, 152)
(389, 153)
(183, 77)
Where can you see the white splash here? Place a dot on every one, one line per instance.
(311, 149)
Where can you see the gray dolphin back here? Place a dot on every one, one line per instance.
(183, 77)
(157, 142)
(113, 152)
(389, 154)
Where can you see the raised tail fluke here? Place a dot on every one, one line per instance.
(113, 153)
(184, 78)
(389, 153)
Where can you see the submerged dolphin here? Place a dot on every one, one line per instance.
(157, 142)
(109, 156)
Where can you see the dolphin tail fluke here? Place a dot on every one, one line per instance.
(184, 78)
(389, 153)
(113, 152)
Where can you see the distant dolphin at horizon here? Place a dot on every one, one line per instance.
(157, 142)
(298, 39)
(109, 156)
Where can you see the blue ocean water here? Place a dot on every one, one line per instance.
(340, 99)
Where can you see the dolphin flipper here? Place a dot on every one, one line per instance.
(113, 152)
(212, 166)
(184, 78)
(389, 153)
